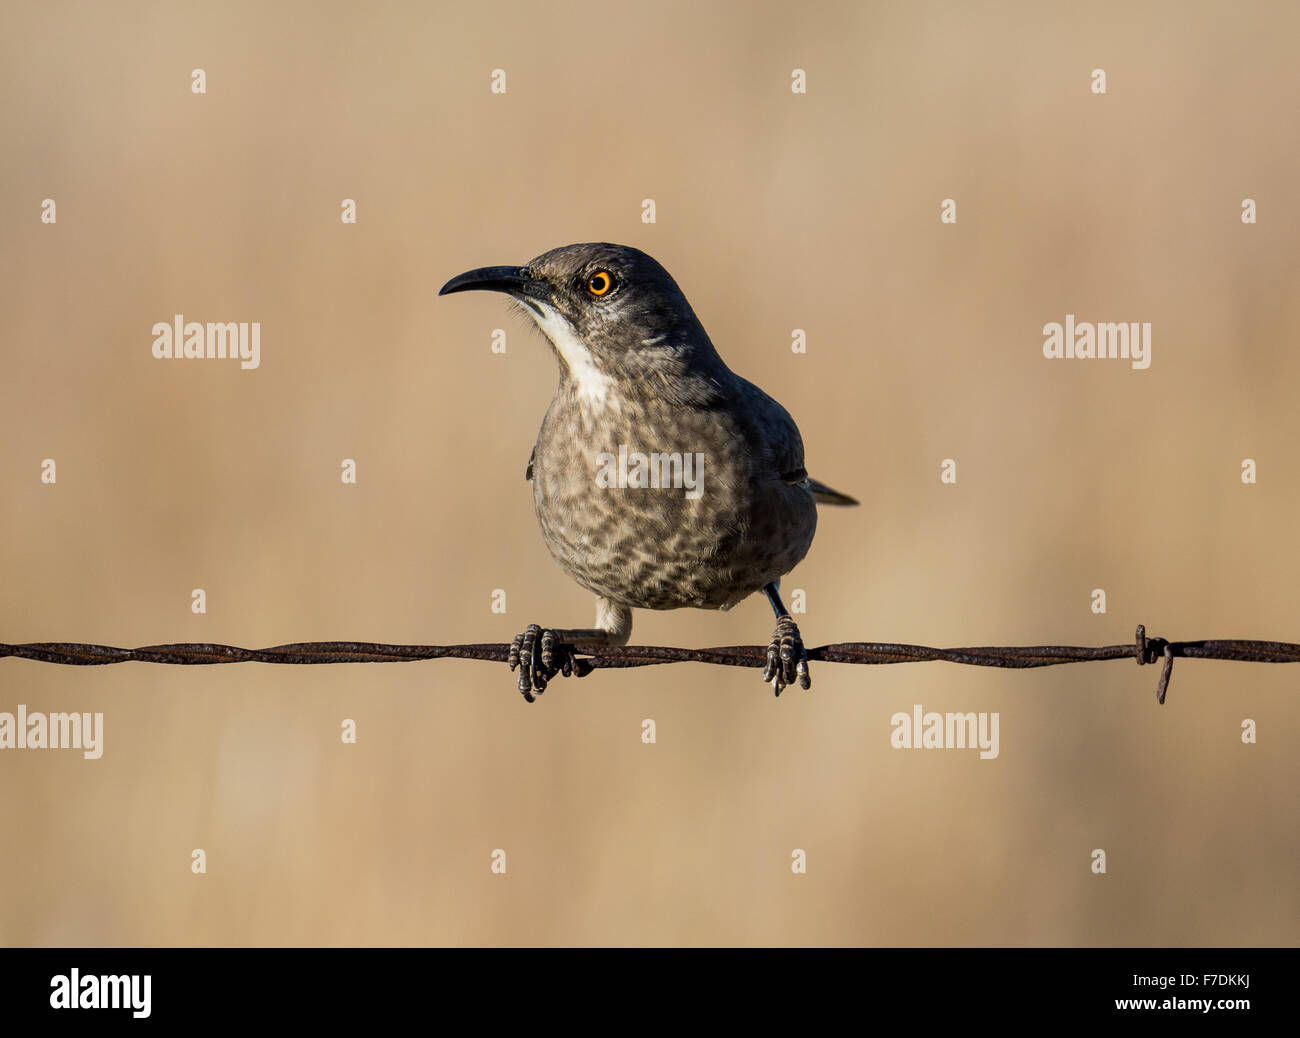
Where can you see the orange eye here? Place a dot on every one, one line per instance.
(599, 283)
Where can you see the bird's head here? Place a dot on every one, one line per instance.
(611, 312)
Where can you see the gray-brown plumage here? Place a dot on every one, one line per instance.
(638, 375)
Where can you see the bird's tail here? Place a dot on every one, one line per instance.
(826, 496)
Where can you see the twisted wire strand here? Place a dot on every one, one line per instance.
(1143, 649)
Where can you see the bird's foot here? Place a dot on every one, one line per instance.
(539, 655)
(787, 662)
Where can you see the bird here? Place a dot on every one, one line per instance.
(661, 479)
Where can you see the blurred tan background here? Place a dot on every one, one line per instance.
(775, 212)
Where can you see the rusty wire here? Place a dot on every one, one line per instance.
(1143, 649)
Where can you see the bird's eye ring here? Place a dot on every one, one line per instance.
(600, 283)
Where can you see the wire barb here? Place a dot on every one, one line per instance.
(1145, 650)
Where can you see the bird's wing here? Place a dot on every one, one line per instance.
(786, 445)
(772, 430)
(782, 438)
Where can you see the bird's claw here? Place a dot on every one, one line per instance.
(787, 661)
(539, 655)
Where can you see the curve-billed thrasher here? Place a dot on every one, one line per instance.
(661, 479)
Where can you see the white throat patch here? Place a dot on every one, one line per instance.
(595, 389)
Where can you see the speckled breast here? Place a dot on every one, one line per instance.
(660, 509)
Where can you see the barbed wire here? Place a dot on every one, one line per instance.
(1145, 650)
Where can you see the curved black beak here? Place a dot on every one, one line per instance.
(514, 281)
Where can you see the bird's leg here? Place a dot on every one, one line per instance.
(787, 662)
(542, 652)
